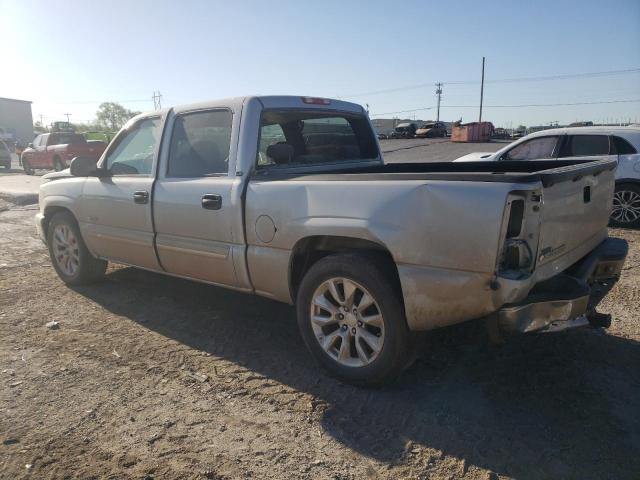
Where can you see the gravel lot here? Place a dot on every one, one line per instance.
(432, 149)
(154, 377)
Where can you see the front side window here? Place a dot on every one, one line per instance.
(585, 145)
(294, 138)
(43, 140)
(135, 151)
(541, 148)
(200, 144)
(36, 141)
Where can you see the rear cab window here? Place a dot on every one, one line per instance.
(66, 138)
(290, 138)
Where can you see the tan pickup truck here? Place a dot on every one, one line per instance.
(289, 198)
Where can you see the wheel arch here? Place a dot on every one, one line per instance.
(308, 250)
(50, 210)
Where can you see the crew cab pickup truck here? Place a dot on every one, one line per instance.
(56, 150)
(289, 198)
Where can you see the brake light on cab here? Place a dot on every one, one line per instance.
(316, 101)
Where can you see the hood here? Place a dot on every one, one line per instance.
(477, 157)
(57, 175)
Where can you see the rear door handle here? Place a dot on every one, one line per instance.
(141, 196)
(211, 201)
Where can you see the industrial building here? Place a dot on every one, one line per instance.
(16, 120)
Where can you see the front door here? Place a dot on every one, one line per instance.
(193, 211)
(115, 211)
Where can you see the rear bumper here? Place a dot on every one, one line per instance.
(569, 299)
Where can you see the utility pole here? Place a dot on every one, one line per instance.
(67, 115)
(41, 120)
(481, 91)
(367, 109)
(439, 93)
(157, 100)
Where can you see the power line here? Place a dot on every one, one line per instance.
(503, 80)
(512, 106)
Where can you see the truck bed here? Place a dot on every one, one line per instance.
(546, 171)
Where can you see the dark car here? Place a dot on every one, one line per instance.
(5, 155)
(404, 130)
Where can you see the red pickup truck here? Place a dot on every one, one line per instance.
(56, 150)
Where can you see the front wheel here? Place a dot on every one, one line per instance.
(626, 206)
(27, 167)
(351, 319)
(70, 257)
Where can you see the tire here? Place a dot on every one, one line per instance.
(356, 352)
(57, 164)
(27, 167)
(70, 257)
(626, 206)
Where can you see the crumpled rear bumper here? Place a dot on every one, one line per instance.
(569, 299)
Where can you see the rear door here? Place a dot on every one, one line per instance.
(115, 212)
(194, 206)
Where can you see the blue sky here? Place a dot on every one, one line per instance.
(70, 56)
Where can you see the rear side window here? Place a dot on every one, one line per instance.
(540, 148)
(200, 144)
(294, 138)
(619, 146)
(585, 145)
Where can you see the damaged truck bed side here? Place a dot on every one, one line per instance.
(289, 198)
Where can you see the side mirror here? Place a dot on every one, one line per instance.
(30, 145)
(84, 167)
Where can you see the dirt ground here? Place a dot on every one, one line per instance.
(150, 377)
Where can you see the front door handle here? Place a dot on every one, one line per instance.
(211, 201)
(141, 196)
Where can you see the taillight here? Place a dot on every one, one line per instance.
(516, 258)
(316, 101)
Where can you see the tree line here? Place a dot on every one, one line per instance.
(110, 117)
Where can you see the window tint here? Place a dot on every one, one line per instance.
(200, 144)
(135, 151)
(307, 137)
(620, 146)
(535, 149)
(585, 145)
(66, 138)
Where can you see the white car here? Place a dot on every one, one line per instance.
(621, 143)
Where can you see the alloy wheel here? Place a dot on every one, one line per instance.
(66, 249)
(347, 322)
(626, 206)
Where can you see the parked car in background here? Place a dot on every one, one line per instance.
(620, 143)
(289, 198)
(432, 130)
(382, 136)
(5, 155)
(55, 151)
(404, 130)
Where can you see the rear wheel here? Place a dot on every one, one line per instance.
(27, 167)
(351, 319)
(626, 206)
(57, 164)
(70, 257)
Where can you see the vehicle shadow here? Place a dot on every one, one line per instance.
(558, 406)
